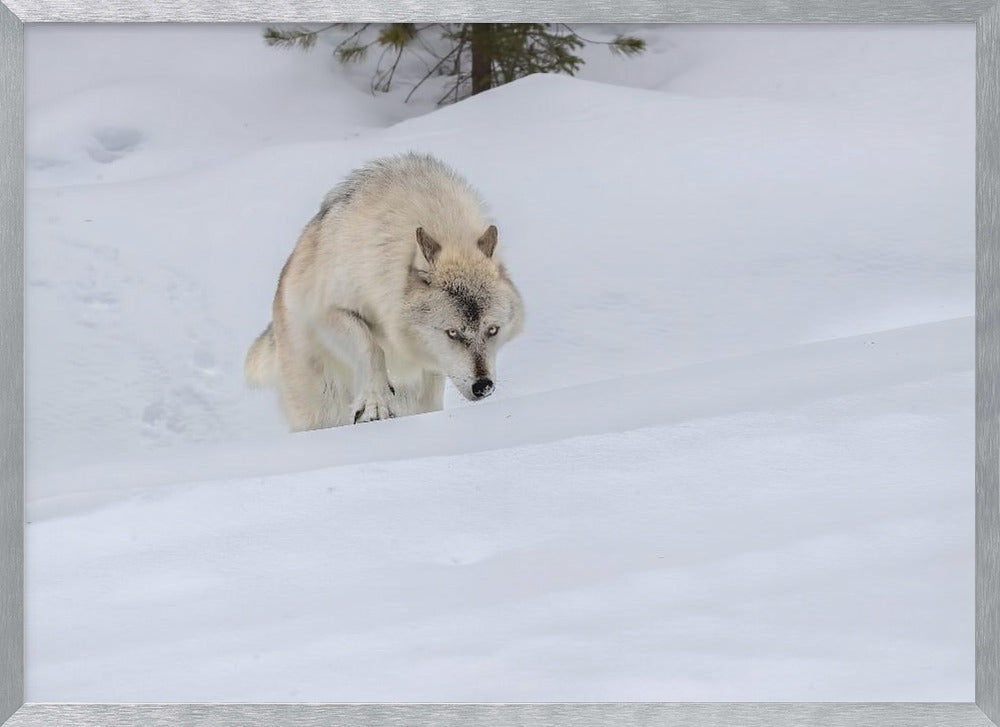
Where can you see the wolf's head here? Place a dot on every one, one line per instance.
(461, 308)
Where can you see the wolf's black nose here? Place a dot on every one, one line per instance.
(482, 388)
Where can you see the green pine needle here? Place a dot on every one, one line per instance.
(351, 53)
(289, 38)
(397, 35)
(627, 45)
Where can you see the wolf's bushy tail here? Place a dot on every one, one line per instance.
(260, 369)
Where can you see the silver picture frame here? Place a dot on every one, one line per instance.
(985, 711)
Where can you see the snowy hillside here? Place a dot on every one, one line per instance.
(729, 458)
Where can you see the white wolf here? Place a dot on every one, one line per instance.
(396, 283)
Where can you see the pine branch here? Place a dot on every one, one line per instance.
(627, 45)
(349, 50)
(351, 53)
(397, 35)
(392, 71)
(513, 50)
(293, 37)
(449, 54)
(376, 84)
(453, 90)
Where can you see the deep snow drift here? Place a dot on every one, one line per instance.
(730, 458)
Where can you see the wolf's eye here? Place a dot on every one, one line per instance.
(492, 331)
(452, 333)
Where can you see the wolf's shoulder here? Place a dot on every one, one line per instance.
(409, 168)
(405, 169)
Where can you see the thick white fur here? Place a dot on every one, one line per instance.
(360, 315)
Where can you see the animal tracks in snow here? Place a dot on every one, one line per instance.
(757, 382)
(111, 143)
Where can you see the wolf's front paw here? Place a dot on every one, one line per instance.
(377, 405)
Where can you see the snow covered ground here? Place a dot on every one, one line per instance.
(729, 459)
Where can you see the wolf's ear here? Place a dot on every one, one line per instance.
(488, 242)
(428, 246)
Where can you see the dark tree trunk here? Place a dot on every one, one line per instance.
(482, 57)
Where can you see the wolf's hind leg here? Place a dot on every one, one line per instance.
(349, 339)
(301, 414)
(311, 404)
(310, 398)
